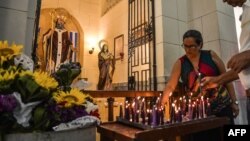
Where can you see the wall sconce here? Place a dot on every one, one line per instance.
(92, 50)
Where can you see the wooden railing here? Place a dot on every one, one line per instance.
(111, 94)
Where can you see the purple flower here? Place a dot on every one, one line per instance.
(60, 114)
(7, 103)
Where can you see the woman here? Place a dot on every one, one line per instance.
(197, 61)
(105, 62)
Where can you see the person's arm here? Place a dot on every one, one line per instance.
(172, 82)
(215, 81)
(239, 61)
(227, 77)
(229, 85)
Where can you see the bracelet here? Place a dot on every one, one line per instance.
(236, 102)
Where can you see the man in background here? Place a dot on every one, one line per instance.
(239, 63)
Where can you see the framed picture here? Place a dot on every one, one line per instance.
(119, 46)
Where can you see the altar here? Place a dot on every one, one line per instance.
(111, 131)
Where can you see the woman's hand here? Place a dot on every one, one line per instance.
(165, 97)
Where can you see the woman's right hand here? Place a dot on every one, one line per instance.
(165, 97)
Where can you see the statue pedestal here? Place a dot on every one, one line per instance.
(83, 134)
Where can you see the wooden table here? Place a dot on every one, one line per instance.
(111, 131)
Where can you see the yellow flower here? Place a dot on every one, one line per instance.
(6, 75)
(25, 72)
(7, 52)
(44, 80)
(69, 99)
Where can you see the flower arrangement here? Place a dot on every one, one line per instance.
(34, 100)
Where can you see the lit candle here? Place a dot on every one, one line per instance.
(127, 112)
(136, 104)
(193, 111)
(208, 108)
(184, 108)
(179, 115)
(161, 115)
(133, 111)
(143, 116)
(149, 112)
(157, 103)
(199, 78)
(196, 104)
(189, 111)
(172, 113)
(143, 106)
(203, 107)
(158, 118)
(154, 116)
(137, 116)
(121, 111)
(180, 103)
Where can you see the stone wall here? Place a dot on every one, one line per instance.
(17, 22)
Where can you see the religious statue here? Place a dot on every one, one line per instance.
(57, 46)
(106, 64)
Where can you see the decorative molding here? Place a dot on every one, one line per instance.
(107, 5)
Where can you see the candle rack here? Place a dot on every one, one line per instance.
(150, 127)
(144, 114)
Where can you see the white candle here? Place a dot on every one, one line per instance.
(203, 107)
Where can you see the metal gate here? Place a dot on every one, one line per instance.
(141, 45)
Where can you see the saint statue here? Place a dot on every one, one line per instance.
(106, 64)
(57, 46)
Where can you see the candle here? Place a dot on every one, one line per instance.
(162, 116)
(172, 113)
(154, 116)
(157, 116)
(184, 107)
(127, 112)
(149, 116)
(179, 115)
(143, 106)
(193, 111)
(121, 111)
(136, 104)
(196, 109)
(199, 78)
(137, 116)
(203, 107)
(143, 116)
(189, 111)
(208, 110)
(158, 102)
(160, 99)
(133, 111)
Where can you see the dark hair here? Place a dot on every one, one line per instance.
(103, 48)
(194, 34)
